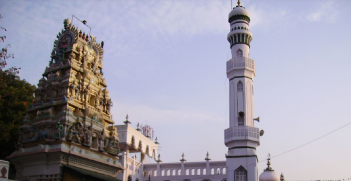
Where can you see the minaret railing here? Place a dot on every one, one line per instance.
(241, 132)
(240, 62)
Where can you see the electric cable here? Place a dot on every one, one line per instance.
(205, 176)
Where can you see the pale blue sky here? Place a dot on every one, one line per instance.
(165, 63)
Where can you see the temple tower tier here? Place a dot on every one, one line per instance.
(241, 137)
(68, 127)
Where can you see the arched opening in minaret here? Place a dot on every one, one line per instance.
(240, 174)
(240, 103)
(239, 53)
(235, 41)
(240, 86)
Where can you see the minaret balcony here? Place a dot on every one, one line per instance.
(241, 63)
(241, 133)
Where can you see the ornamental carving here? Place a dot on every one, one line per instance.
(71, 104)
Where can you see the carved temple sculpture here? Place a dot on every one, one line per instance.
(69, 126)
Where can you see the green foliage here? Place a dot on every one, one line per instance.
(15, 97)
(4, 55)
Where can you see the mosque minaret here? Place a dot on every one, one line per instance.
(241, 137)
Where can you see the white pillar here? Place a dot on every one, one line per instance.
(158, 169)
(208, 169)
(4, 165)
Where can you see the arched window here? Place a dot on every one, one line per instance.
(240, 174)
(239, 53)
(240, 86)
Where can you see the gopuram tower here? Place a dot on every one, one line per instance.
(241, 137)
(68, 132)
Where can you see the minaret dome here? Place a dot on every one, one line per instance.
(239, 13)
(239, 35)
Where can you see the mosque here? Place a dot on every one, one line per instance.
(68, 132)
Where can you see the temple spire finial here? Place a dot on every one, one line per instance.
(238, 2)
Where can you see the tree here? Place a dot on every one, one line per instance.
(15, 97)
(4, 55)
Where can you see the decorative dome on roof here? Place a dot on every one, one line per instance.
(269, 174)
(239, 12)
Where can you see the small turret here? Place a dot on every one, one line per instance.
(127, 121)
(268, 173)
(159, 159)
(183, 159)
(207, 157)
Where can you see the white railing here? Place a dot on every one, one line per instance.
(189, 169)
(240, 62)
(241, 132)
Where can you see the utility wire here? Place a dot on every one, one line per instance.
(206, 176)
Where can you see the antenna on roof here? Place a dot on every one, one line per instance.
(84, 22)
